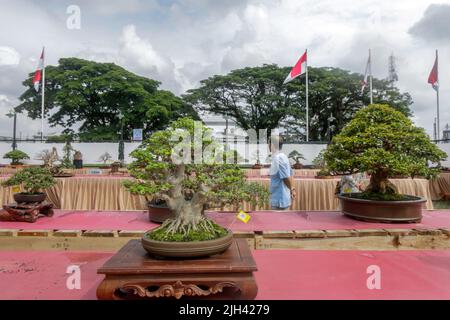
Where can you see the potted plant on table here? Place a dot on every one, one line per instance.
(384, 143)
(296, 156)
(188, 175)
(34, 181)
(16, 156)
(320, 163)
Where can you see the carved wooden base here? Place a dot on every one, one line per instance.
(26, 212)
(132, 274)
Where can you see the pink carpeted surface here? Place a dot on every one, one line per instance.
(260, 221)
(286, 274)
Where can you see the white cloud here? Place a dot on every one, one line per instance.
(181, 42)
(9, 56)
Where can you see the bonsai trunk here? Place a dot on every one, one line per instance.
(189, 215)
(379, 183)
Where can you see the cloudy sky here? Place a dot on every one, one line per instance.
(180, 42)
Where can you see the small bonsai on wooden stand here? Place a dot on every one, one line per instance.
(383, 143)
(30, 204)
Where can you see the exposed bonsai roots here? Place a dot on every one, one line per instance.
(184, 226)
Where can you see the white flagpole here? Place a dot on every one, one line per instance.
(307, 99)
(43, 94)
(370, 76)
(437, 98)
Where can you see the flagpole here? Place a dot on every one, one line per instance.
(370, 80)
(437, 98)
(43, 94)
(307, 98)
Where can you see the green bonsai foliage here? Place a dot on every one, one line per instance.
(16, 156)
(296, 156)
(384, 143)
(67, 159)
(184, 166)
(319, 161)
(34, 180)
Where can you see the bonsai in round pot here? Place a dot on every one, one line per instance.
(188, 172)
(34, 181)
(296, 156)
(16, 156)
(384, 143)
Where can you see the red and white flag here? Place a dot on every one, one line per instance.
(433, 79)
(365, 81)
(38, 75)
(299, 68)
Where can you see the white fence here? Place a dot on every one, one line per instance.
(92, 151)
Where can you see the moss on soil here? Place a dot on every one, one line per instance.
(382, 197)
(161, 234)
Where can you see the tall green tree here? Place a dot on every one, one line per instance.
(257, 99)
(92, 95)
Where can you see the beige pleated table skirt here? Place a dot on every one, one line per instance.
(108, 193)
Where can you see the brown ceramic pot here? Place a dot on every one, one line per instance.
(408, 211)
(192, 249)
(29, 198)
(297, 166)
(159, 212)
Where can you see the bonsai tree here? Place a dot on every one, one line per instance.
(320, 163)
(67, 159)
(33, 180)
(106, 157)
(296, 156)
(189, 175)
(16, 156)
(384, 143)
(46, 157)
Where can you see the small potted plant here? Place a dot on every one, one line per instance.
(16, 156)
(296, 156)
(166, 168)
(34, 181)
(383, 143)
(105, 158)
(320, 163)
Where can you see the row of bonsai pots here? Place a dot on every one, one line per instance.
(379, 141)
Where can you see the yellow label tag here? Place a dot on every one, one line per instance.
(16, 189)
(243, 216)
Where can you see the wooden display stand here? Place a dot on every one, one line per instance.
(26, 212)
(133, 274)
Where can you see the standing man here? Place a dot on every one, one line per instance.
(282, 190)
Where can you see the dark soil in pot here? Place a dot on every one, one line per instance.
(29, 197)
(398, 209)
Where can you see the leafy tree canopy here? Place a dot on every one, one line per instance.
(382, 142)
(257, 99)
(93, 95)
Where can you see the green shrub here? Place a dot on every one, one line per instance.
(382, 142)
(16, 156)
(33, 180)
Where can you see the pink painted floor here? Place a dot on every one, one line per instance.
(260, 221)
(286, 274)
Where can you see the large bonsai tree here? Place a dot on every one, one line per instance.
(382, 142)
(186, 168)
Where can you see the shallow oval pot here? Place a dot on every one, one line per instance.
(29, 198)
(159, 213)
(192, 249)
(407, 211)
